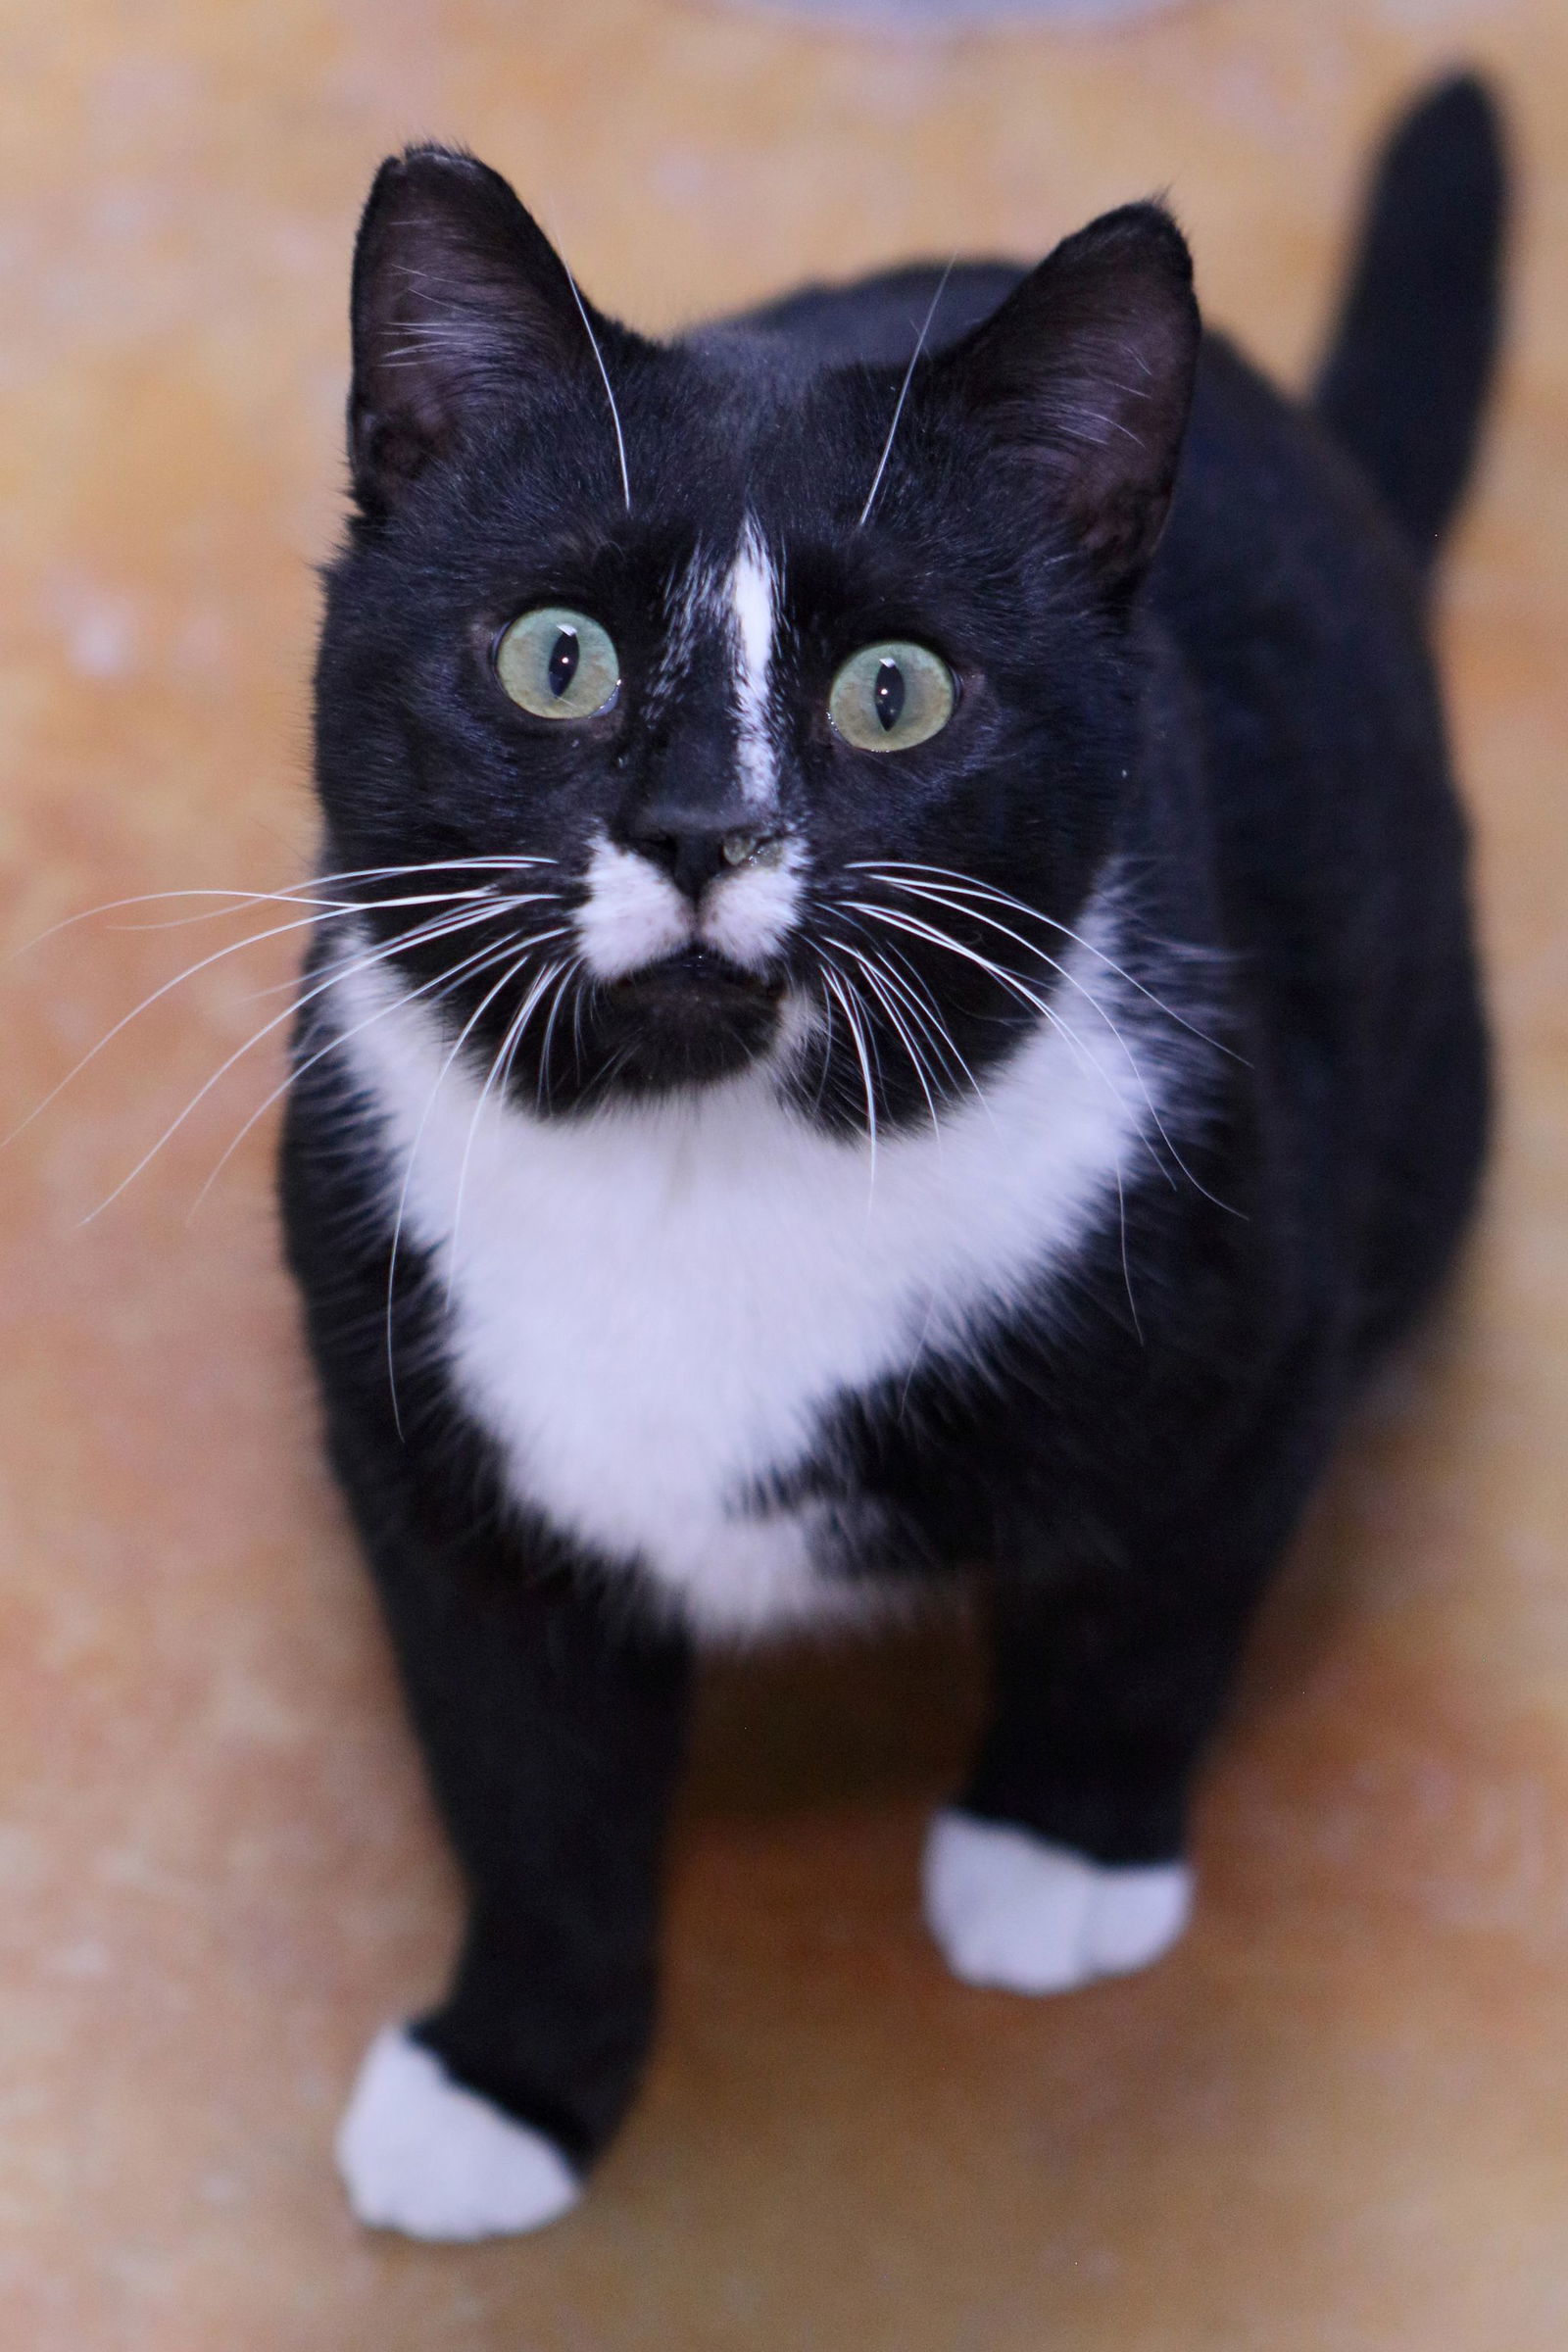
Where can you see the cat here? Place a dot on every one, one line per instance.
(893, 1004)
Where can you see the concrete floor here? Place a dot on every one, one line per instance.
(1338, 2117)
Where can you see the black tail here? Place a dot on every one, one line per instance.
(1406, 377)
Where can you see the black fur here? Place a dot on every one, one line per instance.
(1248, 720)
(1407, 373)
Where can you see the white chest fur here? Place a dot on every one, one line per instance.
(651, 1307)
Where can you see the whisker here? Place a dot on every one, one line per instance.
(835, 981)
(515, 1036)
(919, 929)
(893, 875)
(904, 394)
(420, 936)
(937, 897)
(510, 1037)
(1126, 1268)
(825, 1071)
(1009, 980)
(332, 979)
(291, 895)
(568, 967)
(868, 969)
(470, 968)
(414, 1152)
(916, 928)
(483, 902)
(923, 1008)
(254, 939)
(609, 393)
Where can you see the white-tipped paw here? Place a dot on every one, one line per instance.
(1010, 1909)
(420, 2153)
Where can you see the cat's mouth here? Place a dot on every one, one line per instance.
(696, 977)
(689, 1020)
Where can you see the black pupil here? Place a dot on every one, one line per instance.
(562, 667)
(888, 694)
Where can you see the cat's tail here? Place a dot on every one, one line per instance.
(1406, 380)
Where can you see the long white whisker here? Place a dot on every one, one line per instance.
(999, 972)
(904, 394)
(835, 981)
(868, 970)
(917, 929)
(328, 908)
(514, 1035)
(825, 1071)
(376, 955)
(1126, 1269)
(252, 938)
(504, 1052)
(923, 1008)
(568, 969)
(609, 393)
(299, 894)
(514, 967)
(470, 967)
(291, 895)
(420, 936)
(936, 898)
(893, 875)
(1009, 980)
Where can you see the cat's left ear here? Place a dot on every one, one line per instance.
(1088, 367)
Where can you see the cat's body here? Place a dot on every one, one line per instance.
(713, 1307)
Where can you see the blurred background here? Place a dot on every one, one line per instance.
(1336, 2120)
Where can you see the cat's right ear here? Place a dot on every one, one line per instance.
(459, 301)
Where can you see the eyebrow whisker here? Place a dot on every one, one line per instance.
(903, 392)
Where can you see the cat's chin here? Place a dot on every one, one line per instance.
(691, 1020)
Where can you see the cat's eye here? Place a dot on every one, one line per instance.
(559, 664)
(887, 698)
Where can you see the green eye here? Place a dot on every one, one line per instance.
(888, 697)
(558, 664)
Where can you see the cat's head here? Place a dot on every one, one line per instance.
(680, 703)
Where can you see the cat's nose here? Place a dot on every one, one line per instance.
(694, 847)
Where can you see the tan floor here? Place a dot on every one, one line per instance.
(1338, 2118)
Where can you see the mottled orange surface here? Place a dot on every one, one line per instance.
(1338, 2117)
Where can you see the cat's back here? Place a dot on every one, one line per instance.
(1300, 617)
(876, 321)
(1302, 621)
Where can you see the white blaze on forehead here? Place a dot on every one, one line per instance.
(632, 915)
(752, 603)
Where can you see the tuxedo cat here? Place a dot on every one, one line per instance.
(892, 1002)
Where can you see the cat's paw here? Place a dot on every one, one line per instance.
(420, 2153)
(1010, 1909)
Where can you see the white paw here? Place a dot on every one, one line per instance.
(1010, 1909)
(421, 2154)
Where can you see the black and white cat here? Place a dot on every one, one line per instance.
(867, 1027)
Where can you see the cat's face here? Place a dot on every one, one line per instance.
(677, 719)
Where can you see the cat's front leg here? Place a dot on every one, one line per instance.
(1063, 1860)
(552, 1730)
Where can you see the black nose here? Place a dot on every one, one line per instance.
(692, 848)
